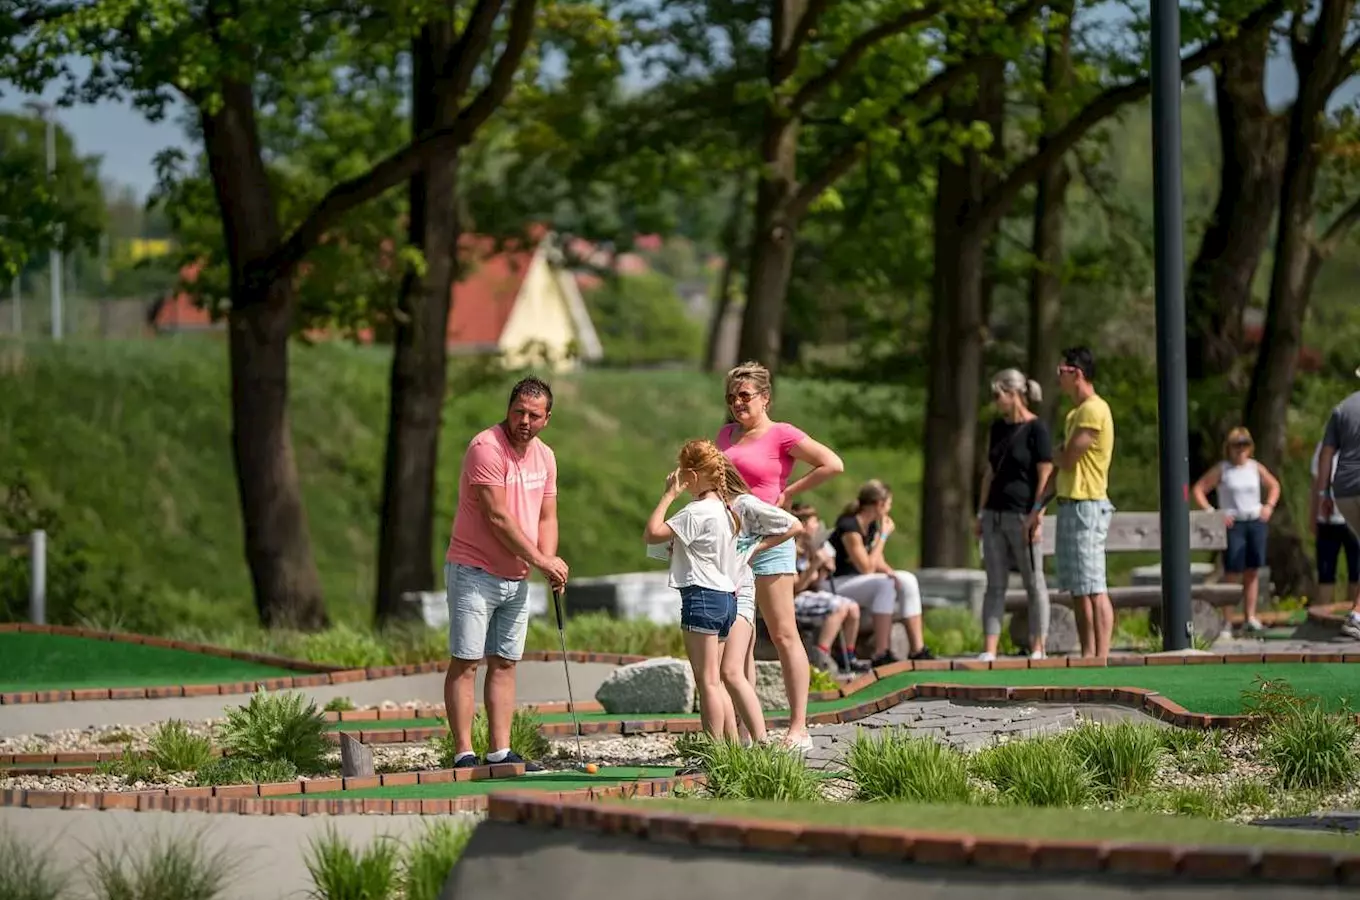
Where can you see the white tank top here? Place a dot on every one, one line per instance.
(1239, 490)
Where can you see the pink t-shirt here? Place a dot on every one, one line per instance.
(766, 461)
(491, 460)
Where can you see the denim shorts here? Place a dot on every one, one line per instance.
(1246, 546)
(706, 611)
(781, 559)
(488, 615)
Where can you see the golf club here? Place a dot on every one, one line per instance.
(571, 697)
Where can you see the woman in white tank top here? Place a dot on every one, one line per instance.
(1238, 481)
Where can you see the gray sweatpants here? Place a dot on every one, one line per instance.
(1005, 545)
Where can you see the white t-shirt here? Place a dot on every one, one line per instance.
(704, 552)
(758, 520)
(1337, 518)
(1239, 490)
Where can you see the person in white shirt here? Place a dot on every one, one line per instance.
(1332, 536)
(1237, 481)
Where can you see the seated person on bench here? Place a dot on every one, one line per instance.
(811, 604)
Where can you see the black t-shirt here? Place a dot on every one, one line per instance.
(849, 525)
(1014, 451)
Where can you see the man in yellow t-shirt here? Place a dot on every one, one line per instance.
(1084, 508)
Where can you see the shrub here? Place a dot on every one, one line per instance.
(235, 770)
(1035, 772)
(27, 873)
(602, 633)
(525, 737)
(277, 727)
(1311, 748)
(1122, 759)
(341, 645)
(174, 867)
(761, 772)
(819, 680)
(338, 704)
(175, 749)
(430, 857)
(340, 872)
(897, 766)
(131, 766)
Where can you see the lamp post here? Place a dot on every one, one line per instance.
(45, 111)
(1173, 419)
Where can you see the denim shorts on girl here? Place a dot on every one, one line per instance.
(781, 559)
(706, 611)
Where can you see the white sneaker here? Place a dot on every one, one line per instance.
(1254, 625)
(804, 745)
(986, 657)
(1038, 654)
(1352, 628)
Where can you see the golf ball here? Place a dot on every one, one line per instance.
(591, 768)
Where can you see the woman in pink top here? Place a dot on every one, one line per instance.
(764, 452)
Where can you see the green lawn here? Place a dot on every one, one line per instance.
(49, 662)
(547, 781)
(1016, 822)
(1211, 689)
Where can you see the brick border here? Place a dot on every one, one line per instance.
(261, 799)
(318, 676)
(927, 847)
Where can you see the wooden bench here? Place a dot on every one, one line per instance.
(1134, 532)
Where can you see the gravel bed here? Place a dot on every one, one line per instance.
(96, 738)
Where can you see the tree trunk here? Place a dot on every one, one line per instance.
(278, 546)
(1050, 201)
(1219, 289)
(957, 332)
(419, 358)
(713, 359)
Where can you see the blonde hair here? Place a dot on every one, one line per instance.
(754, 372)
(871, 492)
(1013, 381)
(703, 457)
(1238, 435)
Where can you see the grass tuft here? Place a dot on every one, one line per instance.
(175, 867)
(175, 749)
(278, 727)
(27, 873)
(1312, 748)
(897, 766)
(429, 858)
(235, 770)
(1036, 772)
(762, 772)
(341, 872)
(1122, 759)
(338, 704)
(131, 766)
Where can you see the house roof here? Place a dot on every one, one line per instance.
(484, 298)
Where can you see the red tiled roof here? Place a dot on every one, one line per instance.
(485, 297)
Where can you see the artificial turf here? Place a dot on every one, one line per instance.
(1014, 822)
(546, 781)
(51, 662)
(1211, 689)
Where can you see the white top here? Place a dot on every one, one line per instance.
(758, 520)
(704, 552)
(1239, 490)
(1337, 518)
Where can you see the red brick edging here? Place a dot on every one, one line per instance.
(320, 674)
(261, 799)
(925, 847)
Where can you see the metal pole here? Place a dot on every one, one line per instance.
(1173, 417)
(37, 586)
(54, 255)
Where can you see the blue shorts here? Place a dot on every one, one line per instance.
(488, 615)
(706, 611)
(781, 559)
(1246, 546)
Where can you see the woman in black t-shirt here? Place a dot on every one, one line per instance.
(1020, 463)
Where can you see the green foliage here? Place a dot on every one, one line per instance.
(602, 633)
(1036, 772)
(27, 873)
(1122, 759)
(431, 856)
(131, 766)
(819, 680)
(897, 766)
(341, 872)
(237, 770)
(642, 321)
(1312, 748)
(338, 704)
(175, 749)
(760, 772)
(174, 866)
(277, 727)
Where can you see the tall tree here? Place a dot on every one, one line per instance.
(215, 55)
(955, 353)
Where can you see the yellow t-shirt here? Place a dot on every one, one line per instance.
(1090, 479)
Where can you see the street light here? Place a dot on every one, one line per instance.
(1173, 419)
(45, 111)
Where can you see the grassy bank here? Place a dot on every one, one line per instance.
(125, 448)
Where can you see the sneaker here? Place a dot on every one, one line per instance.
(884, 659)
(1352, 628)
(803, 745)
(513, 757)
(923, 653)
(1254, 626)
(986, 657)
(467, 761)
(851, 664)
(1038, 654)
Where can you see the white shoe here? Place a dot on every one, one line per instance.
(803, 745)
(1038, 654)
(986, 657)
(1352, 628)
(1254, 625)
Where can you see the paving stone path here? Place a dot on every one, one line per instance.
(963, 726)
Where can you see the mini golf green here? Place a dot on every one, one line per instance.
(1210, 689)
(545, 781)
(52, 662)
(1012, 822)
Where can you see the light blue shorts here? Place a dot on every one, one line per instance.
(1083, 528)
(488, 615)
(778, 560)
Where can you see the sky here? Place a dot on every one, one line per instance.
(128, 143)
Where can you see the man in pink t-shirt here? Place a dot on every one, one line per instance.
(506, 524)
